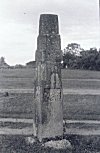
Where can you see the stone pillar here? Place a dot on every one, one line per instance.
(48, 85)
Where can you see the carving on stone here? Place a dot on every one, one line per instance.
(55, 81)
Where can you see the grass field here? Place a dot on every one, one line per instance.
(80, 74)
(24, 78)
(75, 106)
(21, 105)
(82, 107)
(80, 144)
(16, 78)
(66, 74)
(16, 105)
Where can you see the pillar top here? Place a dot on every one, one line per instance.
(48, 24)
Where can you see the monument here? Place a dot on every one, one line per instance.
(48, 118)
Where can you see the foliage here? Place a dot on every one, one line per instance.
(84, 59)
(31, 64)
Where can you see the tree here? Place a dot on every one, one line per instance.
(82, 59)
(71, 54)
(73, 48)
(88, 59)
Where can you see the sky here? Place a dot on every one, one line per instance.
(19, 21)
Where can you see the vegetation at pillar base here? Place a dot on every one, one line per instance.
(80, 144)
(75, 57)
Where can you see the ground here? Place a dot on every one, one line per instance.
(80, 102)
(80, 144)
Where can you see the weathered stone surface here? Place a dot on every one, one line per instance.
(58, 144)
(48, 24)
(48, 85)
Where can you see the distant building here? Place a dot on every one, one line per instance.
(3, 64)
(31, 64)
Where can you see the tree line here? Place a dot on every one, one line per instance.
(75, 57)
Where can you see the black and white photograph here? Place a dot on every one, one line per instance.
(49, 76)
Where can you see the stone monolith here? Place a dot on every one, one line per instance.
(48, 119)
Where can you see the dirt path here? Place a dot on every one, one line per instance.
(83, 121)
(29, 130)
(79, 79)
(65, 91)
(75, 131)
(16, 120)
(8, 131)
(17, 90)
(82, 91)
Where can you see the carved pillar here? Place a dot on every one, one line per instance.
(48, 85)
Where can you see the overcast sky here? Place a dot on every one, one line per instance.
(78, 19)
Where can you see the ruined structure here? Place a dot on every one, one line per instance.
(3, 64)
(48, 86)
